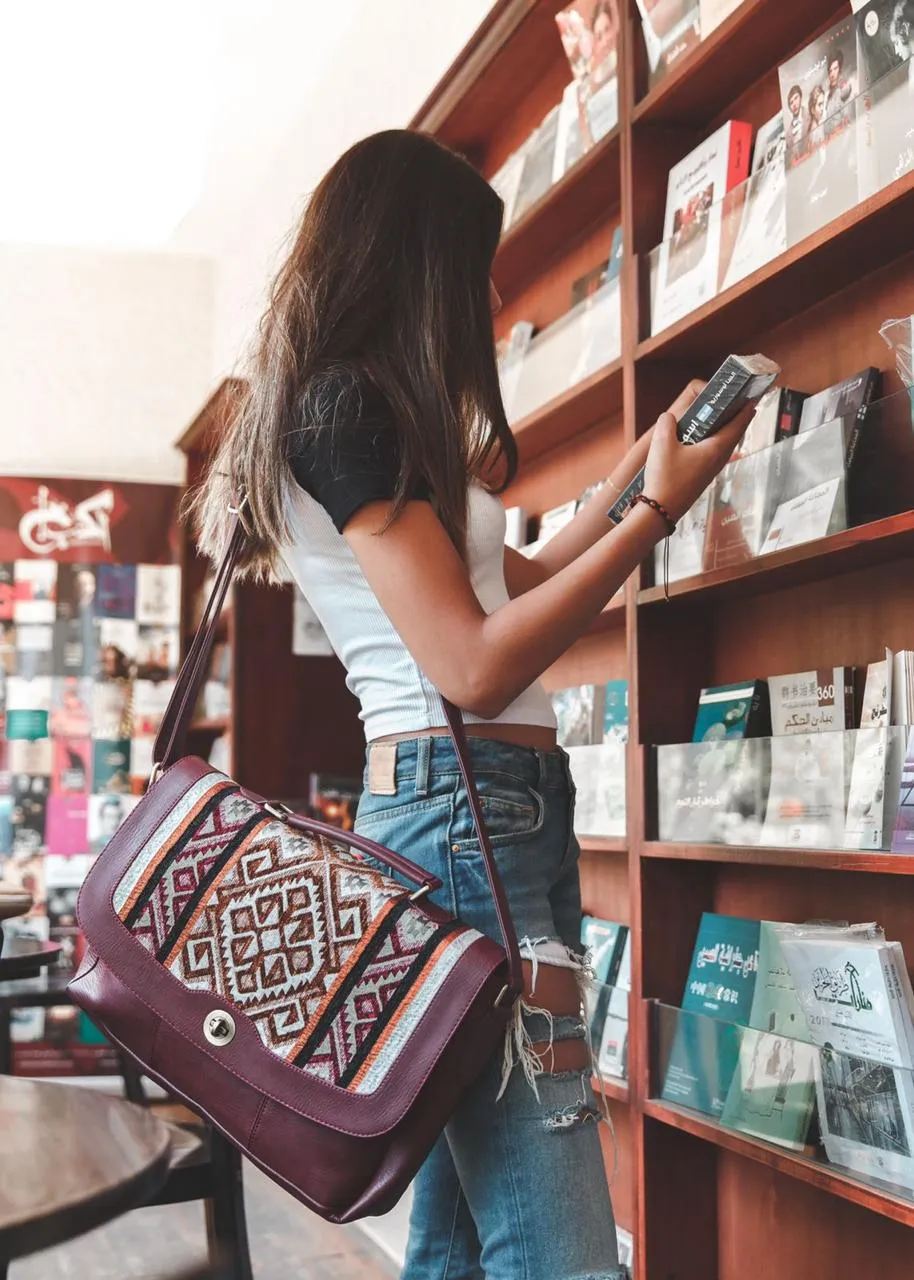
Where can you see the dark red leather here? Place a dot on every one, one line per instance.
(343, 1153)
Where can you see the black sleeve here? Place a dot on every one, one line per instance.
(351, 456)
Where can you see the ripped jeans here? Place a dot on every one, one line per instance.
(515, 1187)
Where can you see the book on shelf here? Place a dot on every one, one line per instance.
(877, 688)
(589, 31)
(713, 12)
(807, 794)
(819, 106)
(738, 382)
(812, 701)
(577, 712)
(681, 555)
(846, 401)
(901, 690)
(713, 792)
(570, 140)
(688, 261)
(755, 211)
(586, 285)
(608, 947)
(903, 834)
(885, 49)
(506, 183)
(812, 502)
(612, 1045)
(776, 418)
(591, 729)
(671, 29)
(615, 711)
(536, 175)
(733, 711)
(875, 787)
(509, 354)
(742, 504)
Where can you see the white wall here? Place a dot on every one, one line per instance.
(104, 358)
(390, 59)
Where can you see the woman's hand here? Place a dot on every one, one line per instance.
(676, 474)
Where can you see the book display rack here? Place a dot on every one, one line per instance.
(706, 1202)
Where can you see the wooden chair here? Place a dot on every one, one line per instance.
(204, 1166)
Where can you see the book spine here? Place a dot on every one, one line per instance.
(789, 410)
(758, 723)
(901, 1014)
(871, 385)
(740, 153)
(849, 674)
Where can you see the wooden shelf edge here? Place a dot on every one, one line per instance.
(825, 1177)
(841, 553)
(677, 340)
(603, 844)
(853, 860)
(570, 414)
(614, 1090)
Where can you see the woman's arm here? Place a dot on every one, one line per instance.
(589, 524)
(480, 661)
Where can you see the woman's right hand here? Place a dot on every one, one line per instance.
(676, 474)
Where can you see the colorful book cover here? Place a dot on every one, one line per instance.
(72, 767)
(716, 1003)
(75, 590)
(111, 765)
(757, 208)
(671, 30)
(885, 46)
(26, 724)
(158, 595)
(732, 711)
(111, 716)
(866, 1116)
(75, 646)
(118, 643)
(157, 652)
(812, 701)
(115, 591)
(106, 813)
(30, 803)
(575, 714)
(819, 106)
(67, 825)
(71, 707)
(34, 590)
(689, 258)
(615, 711)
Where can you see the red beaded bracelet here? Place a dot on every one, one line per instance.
(661, 511)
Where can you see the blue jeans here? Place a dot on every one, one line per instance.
(515, 1188)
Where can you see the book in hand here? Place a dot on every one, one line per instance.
(812, 701)
(819, 105)
(688, 260)
(885, 47)
(755, 212)
(733, 711)
(739, 381)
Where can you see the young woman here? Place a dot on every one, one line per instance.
(370, 448)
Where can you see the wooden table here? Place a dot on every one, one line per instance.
(26, 957)
(71, 1159)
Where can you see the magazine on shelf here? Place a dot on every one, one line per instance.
(681, 555)
(589, 30)
(713, 792)
(760, 206)
(598, 770)
(877, 691)
(539, 156)
(688, 260)
(743, 500)
(577, 710)
(570, 141)
(612, 1049)
(901, 701)
(733, 711)
(819, 106)
(903, 834)
(812, 701)
(506, 183)
(846, 401)
(713, 12)
(885, 45)
(671, 29)
(875, 785)
(813, 498)
(806, 798)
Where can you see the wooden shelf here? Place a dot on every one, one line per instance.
(614, 1090)
(215, 727)
(870, 544)
(867, 237)
(877, 863)
(759, 34)
(582, 199)
(818, 1173)
(570, 414)
(603, 844)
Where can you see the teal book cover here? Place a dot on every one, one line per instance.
(615, 711)
(716, 1004)
(733, 711)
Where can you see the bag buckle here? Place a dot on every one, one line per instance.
(239, 512)
(280, 811)
(419, 893)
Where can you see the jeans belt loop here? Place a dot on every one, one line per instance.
(423, 765)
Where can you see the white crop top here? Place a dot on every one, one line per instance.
(394, 694)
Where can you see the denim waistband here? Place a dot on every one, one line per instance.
(424, 758)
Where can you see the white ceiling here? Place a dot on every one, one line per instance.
(139, 127)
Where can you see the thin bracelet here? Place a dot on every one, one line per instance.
(612, 484)
(661, 511)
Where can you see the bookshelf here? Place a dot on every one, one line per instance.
(280, 703)
(704, 1203)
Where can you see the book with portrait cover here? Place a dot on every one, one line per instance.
(589, 31)
(688, 260)
(72, 773)
(672, 28)
(885, 46)
(819, 106)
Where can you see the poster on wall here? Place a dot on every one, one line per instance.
(90, 612)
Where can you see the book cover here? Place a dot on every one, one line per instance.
(885, 47)
(713, 792)
(715, 1006)
(866, 1116)
(598, 771)
(817, 513)
(742, 503)
(157, 652)
(672, 28)
(806, 798)
(903, 833)
(875, 710)
(106, 813)
(713, 12)
(615, 711)
(841, 402)
(75, 650)
(589, 31)
(812, 701)
(571, 135)
(111, 765)
(604, 941)
(689, 257)
(536, 177)
(141, 763)
(147, 708)
(812, 502)
(111, 717)
(118, 642)
(34, 590)
(115, 591)
(732, 711)
(67, 824)
(29, 818)
(875, 784)
(71, 707)
(681, 555)
(30, 756)
(158, 595)
(72, 766)
(586, 286)
(7, 590)
(612, 1047)
(506, 181)
(575, 712)
(757, 208)
(75, 590)
(818, 103)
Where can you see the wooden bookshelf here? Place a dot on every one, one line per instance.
(702, 1202)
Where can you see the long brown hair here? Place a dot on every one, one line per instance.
(387, 280)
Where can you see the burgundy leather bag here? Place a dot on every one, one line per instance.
(325, 1017)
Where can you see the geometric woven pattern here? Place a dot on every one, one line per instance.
(325, 955)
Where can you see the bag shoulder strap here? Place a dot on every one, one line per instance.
(170, 741)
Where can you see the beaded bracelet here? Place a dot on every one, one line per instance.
(661, 511)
